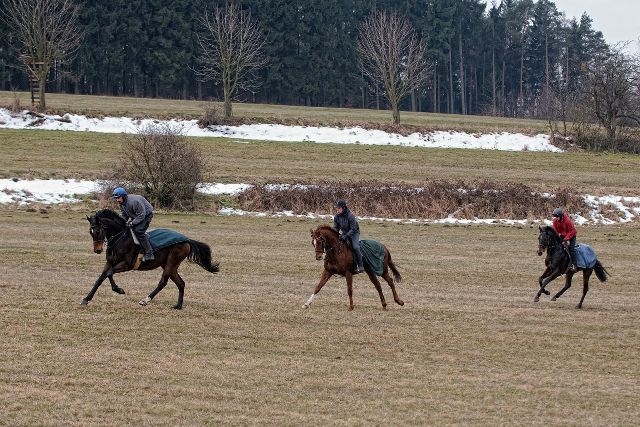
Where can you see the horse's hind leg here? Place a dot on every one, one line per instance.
(376, 283)
(567, 285)
(386, 276)
(585, 275)
(175, 277)
(161, 284)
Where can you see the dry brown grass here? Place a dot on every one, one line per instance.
(55, 154)
(469, 347)
(429, 200)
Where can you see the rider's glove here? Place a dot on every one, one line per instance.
(129, 222)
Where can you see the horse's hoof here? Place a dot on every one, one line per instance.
(145, 301)
(305, 305)
(350, 308)
(400, 302)
(578, 306)
(536, 299)
(553, 299)
(546, 292)
(84, 302)
(119, 291)
(177, 307)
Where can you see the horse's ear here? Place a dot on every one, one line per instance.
(540, 227)
(88, 219)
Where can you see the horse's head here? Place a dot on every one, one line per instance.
(323, 240)
(548, 238)
(98, 233)
(102, 225)
(319, 244)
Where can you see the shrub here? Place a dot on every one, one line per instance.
(159, 162)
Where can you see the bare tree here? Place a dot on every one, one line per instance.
(613, 88)
(231, 44)
(47, 31)
(393, 55)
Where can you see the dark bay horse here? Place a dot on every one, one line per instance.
(338, 259)
(557, 262)
(122, 252)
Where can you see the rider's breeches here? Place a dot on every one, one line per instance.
(355, 245)
(140, 230)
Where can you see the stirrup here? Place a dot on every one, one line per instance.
(149, 257)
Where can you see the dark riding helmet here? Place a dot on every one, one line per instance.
(119, 192)
(341, 204)
(557, 212)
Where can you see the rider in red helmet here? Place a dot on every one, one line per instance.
(565, 228)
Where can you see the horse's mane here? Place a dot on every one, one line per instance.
(550, 229)
(110, 215)
(327, 228)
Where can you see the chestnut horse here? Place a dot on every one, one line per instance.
(338, 259)
(106, 225)
(557, 262)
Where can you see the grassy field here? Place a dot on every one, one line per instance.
(55, 154)
(161, 108)
(469, 346)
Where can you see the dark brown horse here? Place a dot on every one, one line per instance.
(122, 253)
(557, 262)
(338, 259)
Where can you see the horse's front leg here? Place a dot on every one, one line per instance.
(107, 272)
(546, 272)
(114, 287)
(567, 285)
(545, 281)
(326, 275)
(349, 278)
(161, 284)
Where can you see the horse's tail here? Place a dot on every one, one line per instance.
(201, 255)
(396, 274)
(601, 272)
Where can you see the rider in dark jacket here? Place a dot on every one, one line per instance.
(345, 223)
(137, 212)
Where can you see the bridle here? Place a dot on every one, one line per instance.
(323, 244)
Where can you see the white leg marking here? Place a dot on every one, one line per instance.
(309, 301)
(145, 301)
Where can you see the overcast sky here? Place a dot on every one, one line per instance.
(618, 20)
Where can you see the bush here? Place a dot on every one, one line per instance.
(160, 163)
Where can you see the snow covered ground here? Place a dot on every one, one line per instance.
(21, 192)
(269, 132)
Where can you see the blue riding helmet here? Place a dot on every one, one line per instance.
(558, 212)
(341, 204)
(119, 192)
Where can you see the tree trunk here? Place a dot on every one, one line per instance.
(493, 79)
(451, 104)
(227, 102)
(396, 113)
(43, 82)
(463, 89)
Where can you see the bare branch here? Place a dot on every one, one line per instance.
(392, 55)
(47, 31)
(232, 44)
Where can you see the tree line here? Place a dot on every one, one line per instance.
(498, 60)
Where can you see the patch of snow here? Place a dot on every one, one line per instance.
(48, 191)
(274, 132)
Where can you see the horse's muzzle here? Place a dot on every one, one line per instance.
(319, 257)
(540, 252)
(97, 247)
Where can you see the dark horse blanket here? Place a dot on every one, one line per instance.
(163, 237)
(373, 255)
(585, 256)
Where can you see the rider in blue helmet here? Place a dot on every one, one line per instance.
(345, 223)
(137, 212)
